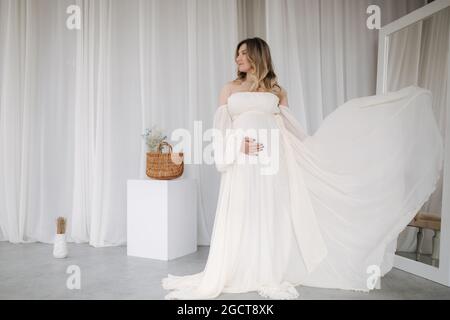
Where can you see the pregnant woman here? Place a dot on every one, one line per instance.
(323, 210)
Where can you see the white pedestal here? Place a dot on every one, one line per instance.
(161, 218)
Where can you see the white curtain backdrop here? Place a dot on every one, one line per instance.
(183, 66)
(36, 119)
(73, 103)
(323, 52)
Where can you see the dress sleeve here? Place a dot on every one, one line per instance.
(291, 123)
(225, 140)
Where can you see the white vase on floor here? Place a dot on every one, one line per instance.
(60, 246)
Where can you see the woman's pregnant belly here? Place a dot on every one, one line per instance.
(262, 127)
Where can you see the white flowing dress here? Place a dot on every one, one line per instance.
(326, 210)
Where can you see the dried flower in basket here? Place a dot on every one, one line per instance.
(153, 137)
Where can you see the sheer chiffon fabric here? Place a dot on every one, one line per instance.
(323, 210)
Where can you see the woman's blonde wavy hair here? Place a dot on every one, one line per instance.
(263, 77)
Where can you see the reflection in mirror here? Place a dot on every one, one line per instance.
(418, 55)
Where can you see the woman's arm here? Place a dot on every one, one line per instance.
(284, 100)
(224, 94)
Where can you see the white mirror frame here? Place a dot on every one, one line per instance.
(441, 274)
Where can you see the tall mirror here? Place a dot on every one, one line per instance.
(422, 49)
(414, 50)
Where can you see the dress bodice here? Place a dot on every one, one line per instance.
(246, 101)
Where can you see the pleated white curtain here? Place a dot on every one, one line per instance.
(73, 104)
(182, 69)
(404, 57)
(36, 119)
(323, 52)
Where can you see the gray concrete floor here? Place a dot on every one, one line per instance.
(29, 271)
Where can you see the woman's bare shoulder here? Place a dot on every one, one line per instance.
(235, 82)
(226, 91)
(280, 90)
(283, 97)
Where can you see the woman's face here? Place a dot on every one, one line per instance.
(241, 59)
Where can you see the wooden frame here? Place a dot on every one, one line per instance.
(441, 274)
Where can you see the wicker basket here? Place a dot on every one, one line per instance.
(161, 166)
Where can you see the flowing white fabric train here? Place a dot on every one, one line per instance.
(323, 210)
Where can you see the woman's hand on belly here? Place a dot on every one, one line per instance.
(249, 146)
